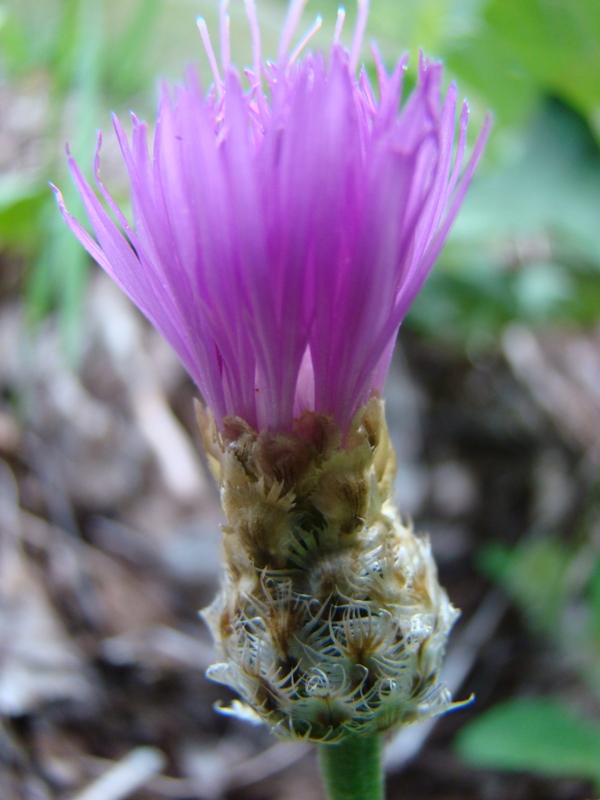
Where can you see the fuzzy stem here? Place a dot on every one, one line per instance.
(352, 769)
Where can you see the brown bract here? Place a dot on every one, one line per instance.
(330, 618)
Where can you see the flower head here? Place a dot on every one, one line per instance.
(283, 223)
(282, 226)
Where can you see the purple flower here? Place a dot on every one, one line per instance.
(284, 223)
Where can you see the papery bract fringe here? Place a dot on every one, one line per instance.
(282, 229)
(330, 620)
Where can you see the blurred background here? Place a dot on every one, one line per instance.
(109, 521)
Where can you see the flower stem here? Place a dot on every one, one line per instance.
(352, 769)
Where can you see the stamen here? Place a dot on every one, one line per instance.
(210, 53)
(255, 33)
(225, 35)
(316, 26)
(291, 23)
(359, 32)
(341, 16)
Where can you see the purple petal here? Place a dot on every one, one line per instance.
(281, 231)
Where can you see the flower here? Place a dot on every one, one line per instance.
(282, 230)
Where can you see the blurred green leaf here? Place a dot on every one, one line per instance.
(481, 61)
(14, 51)
(472, 304)
(21, 202)
(57, 277)
(409, 25)
(584, 306)
(535, 574)
(515, 52)
(536, 735)
(556, 43)
(594, 599)
(557, 587)
(122, 58)
(66, 45)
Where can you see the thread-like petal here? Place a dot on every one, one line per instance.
(281, 229)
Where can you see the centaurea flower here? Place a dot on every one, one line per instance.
(282, 229)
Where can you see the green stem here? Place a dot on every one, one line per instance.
(352, 769)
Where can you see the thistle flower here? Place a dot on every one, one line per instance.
(282, 227)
